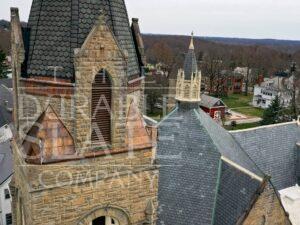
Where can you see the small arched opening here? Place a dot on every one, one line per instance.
(105, 216)
(105, 220)
(101, 109)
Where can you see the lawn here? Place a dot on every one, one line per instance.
(237, 100)
(250, 111)
(241, 103)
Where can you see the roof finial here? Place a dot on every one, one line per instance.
(192, 41)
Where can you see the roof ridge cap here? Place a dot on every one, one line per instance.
(262, 127)
(196, 111)
(235, 141)
(242, 169)
(167, 116)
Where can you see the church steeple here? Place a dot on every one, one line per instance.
(189, 78)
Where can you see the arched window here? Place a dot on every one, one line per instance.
(105, 220)
(195, 91)
(187, 91)
(101, 109)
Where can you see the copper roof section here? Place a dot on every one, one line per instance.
(48, 140)
(136, 132)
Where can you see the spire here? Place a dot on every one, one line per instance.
(68, 25)
(190, 63)
(192, 42)
(189, 78)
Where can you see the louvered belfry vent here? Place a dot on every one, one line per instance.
(101, 109)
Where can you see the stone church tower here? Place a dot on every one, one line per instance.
(83, 153)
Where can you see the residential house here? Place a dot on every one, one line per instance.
(242, 70)
(267, 91)
(229, 82)
(6, 171)
(235, 84)
(6, 168)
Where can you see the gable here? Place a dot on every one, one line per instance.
(219, 104)
(267, 209)
(48, 140)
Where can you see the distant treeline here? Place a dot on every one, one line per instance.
(266, 56)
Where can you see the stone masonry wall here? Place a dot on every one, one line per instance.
(32, 106)
(100, 51)
(64, 193)
(267, 210)
(68, 192)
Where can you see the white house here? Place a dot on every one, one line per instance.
(267, 91)
(242, 70)
(6, 160)
(6, 169)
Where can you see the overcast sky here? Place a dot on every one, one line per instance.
(278, 19)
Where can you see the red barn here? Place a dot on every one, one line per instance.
(215, 107)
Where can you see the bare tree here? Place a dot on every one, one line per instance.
(211, 68)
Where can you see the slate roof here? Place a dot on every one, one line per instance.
(190, 63)
(210, 102)
(190, 146)
(57, 27)
(7, 82)
(236, 192)
(189, 168)
(273, 148)
(5, 97)
(227, 145)
(6, 161)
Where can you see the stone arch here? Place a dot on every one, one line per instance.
(111, 211)
(101, 108)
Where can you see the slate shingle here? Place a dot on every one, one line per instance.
(190, 145)
(58, 26)
(237, 190)
(190, 66)
(189, 167)
(273, 148)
